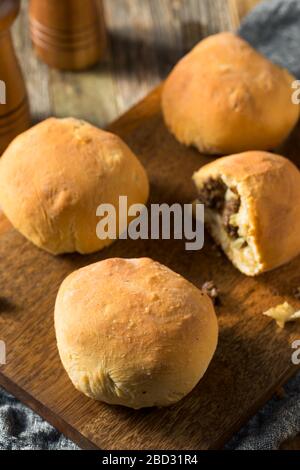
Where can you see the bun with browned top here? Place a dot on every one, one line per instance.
(54, 176)
(224, 97)
(132, 332)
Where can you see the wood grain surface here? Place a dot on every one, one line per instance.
(145, 39)
(253, 355)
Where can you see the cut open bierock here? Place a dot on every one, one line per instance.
(252, 208)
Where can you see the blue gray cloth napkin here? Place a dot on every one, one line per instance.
(21, 428)
(273, 28)
(277, 421)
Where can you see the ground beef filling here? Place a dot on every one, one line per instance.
(212, 195)
(231, 207)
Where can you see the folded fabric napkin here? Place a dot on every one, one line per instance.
(273, 28)
(21, 428)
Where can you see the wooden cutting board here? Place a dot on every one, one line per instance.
(253, 356)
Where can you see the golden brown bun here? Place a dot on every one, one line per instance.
(53, 177)
(224, 97)
(268, 218)
(134, 333)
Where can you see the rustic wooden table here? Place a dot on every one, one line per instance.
(145, 39)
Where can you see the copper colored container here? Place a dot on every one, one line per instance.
(67, 34)
(14, 110)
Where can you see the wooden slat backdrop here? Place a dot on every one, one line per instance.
(145, 39)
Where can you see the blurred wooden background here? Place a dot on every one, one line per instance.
(145, 39)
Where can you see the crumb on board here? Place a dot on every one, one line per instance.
(211, 290)
(283, 313)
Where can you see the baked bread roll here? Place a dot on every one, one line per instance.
(54, 176)
(252, 208)
(132, 332)
(224, 97)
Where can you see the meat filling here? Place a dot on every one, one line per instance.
(231, 207)
(213, 196)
